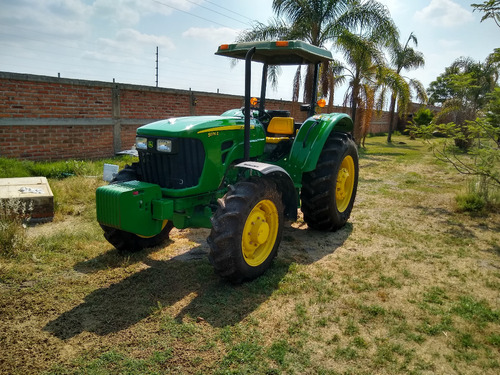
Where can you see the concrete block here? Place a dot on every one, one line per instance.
(33, 193)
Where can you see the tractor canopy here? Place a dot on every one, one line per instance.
(289, 52)
(281, 52)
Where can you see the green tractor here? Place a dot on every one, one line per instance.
(241, 174)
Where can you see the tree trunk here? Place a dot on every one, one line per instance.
(331, 89)
(355, 120)
(392, 109)
(308, 84)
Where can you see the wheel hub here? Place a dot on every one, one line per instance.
(341, 182)
(345, 183)
(259, 233)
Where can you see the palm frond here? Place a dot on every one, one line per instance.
(419, 90)
(382, 97)
(273, 72)
(491, 9)
(412, 38)
(372, 20)
(276, 29)
(398, 85)
(358, 50)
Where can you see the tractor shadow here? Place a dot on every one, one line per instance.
(186, 285)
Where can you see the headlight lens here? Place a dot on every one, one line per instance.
(141, 143)
(164, 145)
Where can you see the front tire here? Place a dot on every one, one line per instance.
(246, 230)
(126, 242)
(329, 191)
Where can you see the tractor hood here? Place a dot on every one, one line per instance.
(190, 126)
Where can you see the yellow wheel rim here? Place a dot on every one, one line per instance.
(162, 227)
(260, 232)
(345, 183)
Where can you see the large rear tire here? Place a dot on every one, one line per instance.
(246, 230)
(329, 191)
(126, 242)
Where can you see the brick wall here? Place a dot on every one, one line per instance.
(48, 118)
(32, 99)
(380, 124)
(49, 142)
(148, 104)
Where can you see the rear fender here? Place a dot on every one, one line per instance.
(283, 183)
(311, 138)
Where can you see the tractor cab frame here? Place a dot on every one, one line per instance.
(294, 52)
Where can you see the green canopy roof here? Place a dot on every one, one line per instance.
(291, 52)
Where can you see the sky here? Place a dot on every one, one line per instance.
(104, 40)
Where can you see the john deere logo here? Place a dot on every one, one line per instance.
(150, 144)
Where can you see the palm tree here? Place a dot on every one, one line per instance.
(405, 57)
(366, 66)
(332, 75)
(320, 22)
(368, 82)
(360, 74)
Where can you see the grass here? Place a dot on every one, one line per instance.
(57, 169)
(409, 286)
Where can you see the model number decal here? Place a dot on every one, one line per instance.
(218, 129)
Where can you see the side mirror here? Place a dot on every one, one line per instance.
(305, 107)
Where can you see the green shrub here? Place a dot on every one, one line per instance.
(59, 169)
(481, 196)
(13, 238)
(14, 168)
(470, 202)
(423, 116)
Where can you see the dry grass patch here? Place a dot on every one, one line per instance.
(409, 286)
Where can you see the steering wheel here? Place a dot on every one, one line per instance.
(263, 116)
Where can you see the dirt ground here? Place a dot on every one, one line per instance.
(410, 285)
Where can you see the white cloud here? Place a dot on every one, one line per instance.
(131, 11)
(448, 44)
(212, 34)
(128, 45)
(394, 6)
(60, 18)
(444, 13)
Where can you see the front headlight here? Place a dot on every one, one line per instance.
(164, 145)
(141, 143)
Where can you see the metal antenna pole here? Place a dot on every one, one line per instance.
(156, 66)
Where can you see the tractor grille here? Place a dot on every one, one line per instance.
(177, 170)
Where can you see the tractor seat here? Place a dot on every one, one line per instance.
(281, 128)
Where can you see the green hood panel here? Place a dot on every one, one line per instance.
(190, 126)
(219, 143)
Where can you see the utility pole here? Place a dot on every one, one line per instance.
(156, 66)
